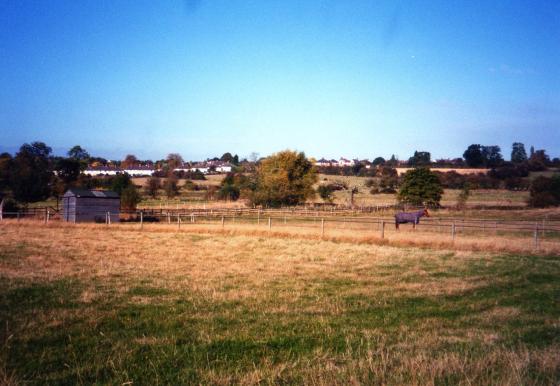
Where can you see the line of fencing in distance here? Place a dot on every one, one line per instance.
(542, 229)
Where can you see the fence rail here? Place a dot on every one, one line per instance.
(452, 227)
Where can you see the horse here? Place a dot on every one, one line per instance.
(413, 217)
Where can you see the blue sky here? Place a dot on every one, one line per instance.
(329, 77)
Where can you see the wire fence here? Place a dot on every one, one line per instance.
(539, 230)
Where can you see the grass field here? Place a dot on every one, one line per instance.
(90, 304)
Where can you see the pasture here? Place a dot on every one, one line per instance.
(83, 304)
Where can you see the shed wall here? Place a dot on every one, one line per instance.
(90, 209)
(95, 209)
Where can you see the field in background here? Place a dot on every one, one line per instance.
(478, 197)
(86, 304)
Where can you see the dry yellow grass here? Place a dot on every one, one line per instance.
(271, 283)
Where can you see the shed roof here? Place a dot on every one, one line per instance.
(75, 192)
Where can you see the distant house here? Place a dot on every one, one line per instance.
(82, 205)
(323, 163)
(102, 171)
(224, 167)
(203, 168)
(140, 171)
(345, 162)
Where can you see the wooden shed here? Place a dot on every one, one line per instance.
(82, 205)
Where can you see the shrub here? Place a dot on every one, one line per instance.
(325, 192)
(421, 187)
(284, 178)
(545, 192)
(130, 198)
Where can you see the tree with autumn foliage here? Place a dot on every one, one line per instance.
(284, 178)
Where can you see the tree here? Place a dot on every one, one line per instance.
(67, 169)
(130, 198)
(492, 156)
(420, 158)
(78, 153)
(539, 160)
(326, 192)
(233, 186)
(227, 157)
(464, 196)
(518, 154)
(389, 180)
(421, 187)
(378, 161)
(174, 161)
(170, 186)
(284, 178)
(120, 182)
(31, 176)
(473, 156)
(129, 161)
(6, 165)
(393, 161)
(152, 186)
(545, 191)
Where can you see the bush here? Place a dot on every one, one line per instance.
(545, 192)
(421, 187)
(171, 187)
(130, 198)
(152, 186)
(542, 200)
(284, 178)
(325, 192)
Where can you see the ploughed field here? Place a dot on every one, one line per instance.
(94, 304)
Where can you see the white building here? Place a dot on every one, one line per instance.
(102, 171)
(224, 168)
(140, 171)
(345, 162)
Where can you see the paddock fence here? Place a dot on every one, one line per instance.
(321, 222)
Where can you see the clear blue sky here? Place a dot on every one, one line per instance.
(329, 77)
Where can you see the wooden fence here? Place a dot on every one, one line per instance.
(548, 229)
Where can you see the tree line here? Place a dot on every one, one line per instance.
(284, 178)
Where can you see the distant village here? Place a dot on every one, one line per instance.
(147, 169)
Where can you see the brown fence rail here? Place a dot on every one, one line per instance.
(320, 220)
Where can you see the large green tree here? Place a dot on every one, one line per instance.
(284, 178)
(31, 177)
(6, 165)
(518, 153)
(420, 158)
(473, 156)
(420, 187)
(78, 153)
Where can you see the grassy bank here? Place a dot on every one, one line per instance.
(85, 305)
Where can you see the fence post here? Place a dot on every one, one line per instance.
(178, 221)
(382, 229)
(222, 221)
(48, 215)
(322, 227)
(141, 219)
(168, 217)
(109, 216)
(453, 231)
(536, 236)
(269, 223)
(259, 217)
